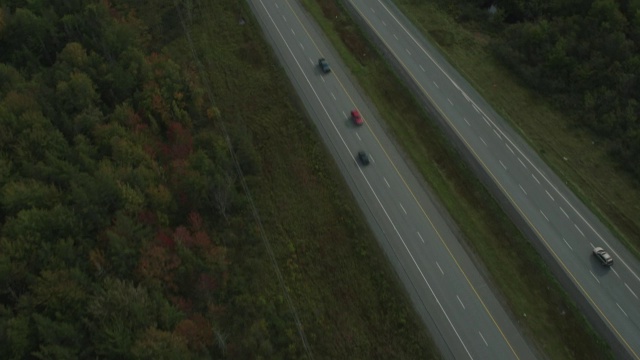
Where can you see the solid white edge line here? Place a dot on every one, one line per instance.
(371, 188)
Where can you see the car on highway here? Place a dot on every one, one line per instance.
(363, 157)
(324, 65)
(356, 117)
(603, 256)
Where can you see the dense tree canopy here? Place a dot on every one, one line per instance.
(111, 218)
(583, 54)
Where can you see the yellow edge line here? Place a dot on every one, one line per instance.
(411, 191)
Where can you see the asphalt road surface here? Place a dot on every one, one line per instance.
(460, 310)
(566, 229)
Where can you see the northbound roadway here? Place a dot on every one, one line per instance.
(564, 228)
(462, 313)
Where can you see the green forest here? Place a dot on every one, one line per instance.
(108, 198)
(125, 232)
(582, 54)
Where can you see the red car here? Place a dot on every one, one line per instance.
(357, 119)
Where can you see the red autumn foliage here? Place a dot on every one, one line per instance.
(182, 304)
(195, 221)
(165, 238)
(207, 283)
(148, 217)
(182, 236)
(180, 140)
(197, 331)
(201, 239)
(160, 264)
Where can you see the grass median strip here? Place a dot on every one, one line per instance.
(348, 298)
(535, 298)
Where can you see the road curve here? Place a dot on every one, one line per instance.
(460, 310)
(564, 228)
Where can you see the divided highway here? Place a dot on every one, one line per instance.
(463, 315)
(565, 228)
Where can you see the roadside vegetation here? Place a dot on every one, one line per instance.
(124, 231)
(536, 300)
(567, 75)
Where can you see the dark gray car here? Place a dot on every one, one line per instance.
(363, 157)
(324, 65)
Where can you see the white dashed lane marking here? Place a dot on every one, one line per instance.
(552, 199)
(485, 341)
(634, 294)
(405, 211)
(521, 163)
(565, 241)
(545, 216)
(521, 188)
(508, 147)
(535, 178)
(498, 135)
(620, 307)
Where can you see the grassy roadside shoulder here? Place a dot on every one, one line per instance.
(347, 296)
(573, 153)
(557, 326)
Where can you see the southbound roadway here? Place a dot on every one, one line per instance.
(449, 293)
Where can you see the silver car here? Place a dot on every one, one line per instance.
(603, 256)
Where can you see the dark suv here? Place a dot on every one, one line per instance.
(363, 157)
(324, 65)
